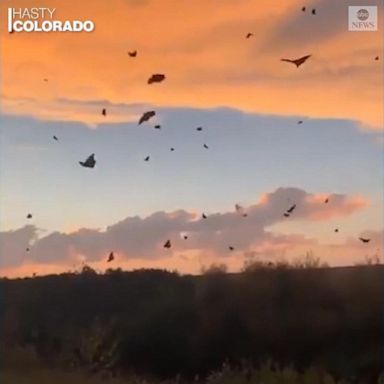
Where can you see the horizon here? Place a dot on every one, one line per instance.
(212, 269)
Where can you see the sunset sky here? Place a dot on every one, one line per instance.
(248, 103)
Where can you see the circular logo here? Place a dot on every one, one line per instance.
(362, 14)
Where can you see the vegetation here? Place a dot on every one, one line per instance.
(218, 328)
(265, 374)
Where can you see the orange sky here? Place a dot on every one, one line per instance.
(201, 48)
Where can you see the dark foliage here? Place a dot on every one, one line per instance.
(158, 323)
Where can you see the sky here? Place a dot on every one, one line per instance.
(248, 103)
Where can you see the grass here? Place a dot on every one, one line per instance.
(262, 376)
(21, 366)
(46, 376)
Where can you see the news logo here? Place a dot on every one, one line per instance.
(42, 20)
(362, 18)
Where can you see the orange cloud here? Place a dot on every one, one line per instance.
(139, 242)
(334, 208)
(207, 60)
(313, 206)
(349, 252)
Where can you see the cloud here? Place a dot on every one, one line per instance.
(376, 240)
(352, 251)
(308, 206)
(63, 109)
(143, 238)
(13, 245)
(302, 30)
(208, 62)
